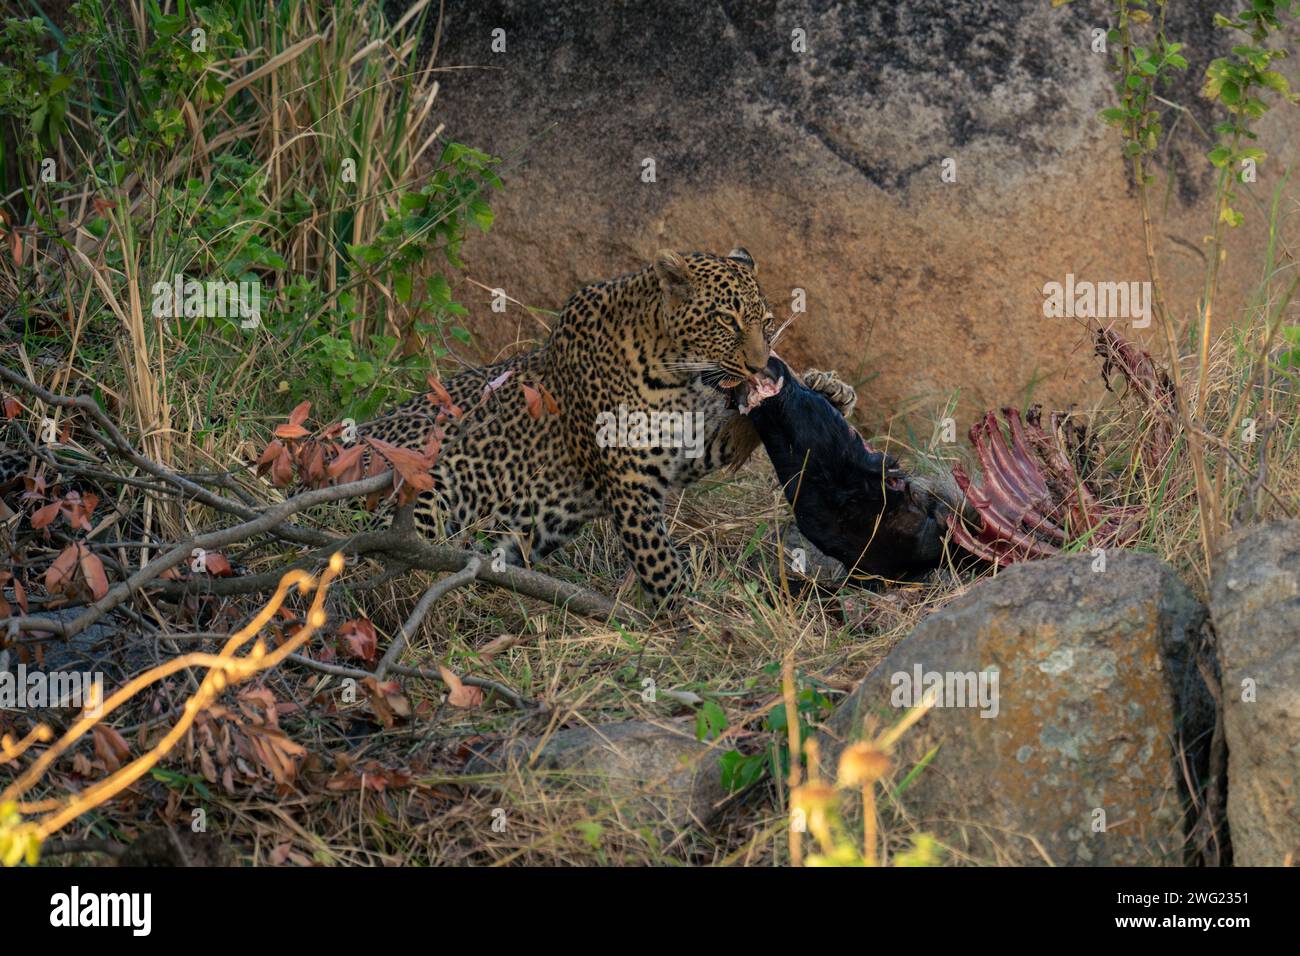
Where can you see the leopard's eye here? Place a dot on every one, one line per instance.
(729, 319)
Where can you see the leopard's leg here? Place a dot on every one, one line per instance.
(638, 512)
(446, 520)
(837, 391)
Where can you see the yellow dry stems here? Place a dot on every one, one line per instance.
(863, 764)
(792, 729)
(21, 839)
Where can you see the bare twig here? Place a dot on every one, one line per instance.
(208, 542)
(340, 670)
(440, 588)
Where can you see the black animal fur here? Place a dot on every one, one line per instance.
(854, 505)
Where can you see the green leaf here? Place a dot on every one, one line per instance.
(482, 214)
(710, 720)
(740, 770)
(915, 771)
(752, 543)
(591, 832)
(366, 254)
(439, 291)
(1275, 81)
(413, 201)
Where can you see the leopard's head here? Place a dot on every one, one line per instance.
(715, 314)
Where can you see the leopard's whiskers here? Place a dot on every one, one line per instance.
(683, 366)
(784, 325)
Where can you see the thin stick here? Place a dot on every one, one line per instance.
(435, 592)
(340, 670)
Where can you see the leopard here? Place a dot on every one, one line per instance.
(676, 337)
(679, 337)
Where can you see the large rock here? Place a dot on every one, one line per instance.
(826, 165)
(1255, 605)
(652, 773)
(1093, 669)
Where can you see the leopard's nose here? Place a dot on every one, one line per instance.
(754, 369)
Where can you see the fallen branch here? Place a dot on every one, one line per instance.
(411, 552)
(460, 579)
(341, 670)
(211, 541)
(399, 546)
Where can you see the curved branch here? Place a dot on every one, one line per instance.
(461, 578)
(340, 670)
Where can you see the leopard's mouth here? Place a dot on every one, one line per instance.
(758, 388)
(746, 393)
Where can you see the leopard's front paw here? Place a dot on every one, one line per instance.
(837, 391)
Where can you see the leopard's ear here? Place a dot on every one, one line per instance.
(674, 276)
(741, 254)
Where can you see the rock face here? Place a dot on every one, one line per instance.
(654, 773)
(1255, 605)
(826, 162)
(1093, 669)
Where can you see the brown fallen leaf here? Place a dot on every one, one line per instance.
(533, 399)
(360, 638)
(458, 693)
(110, 747)
(92, 569)
(58, 576)
(387, 701)
(498, 644)
(215, 564)
(280, 854)
(43, 517)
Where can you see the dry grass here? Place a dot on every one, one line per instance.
(375, 795)
(743, 620)
(584, 673)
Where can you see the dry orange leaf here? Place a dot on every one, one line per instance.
(110, 746)
(498, 644)
(92, 568)
(458, 693)
(59, 573)
(215, 563)
(360, 638)
(533, 399)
